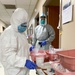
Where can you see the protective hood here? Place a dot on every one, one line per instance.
(18, 17)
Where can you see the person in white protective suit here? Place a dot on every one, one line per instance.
(44, 34)
(14, 46)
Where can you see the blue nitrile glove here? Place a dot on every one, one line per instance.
(30, 65)
(31, 48)
(43, 43)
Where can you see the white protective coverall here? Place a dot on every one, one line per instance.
(14, 46)
(42, 33)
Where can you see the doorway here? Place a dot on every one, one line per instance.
(37, 20)
(52, 8)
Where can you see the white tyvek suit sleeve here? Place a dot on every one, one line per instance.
(34, 38)
(10, 46)
(51, 33)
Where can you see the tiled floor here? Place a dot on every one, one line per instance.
(32, 72)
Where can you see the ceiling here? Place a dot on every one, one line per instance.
(5, 13)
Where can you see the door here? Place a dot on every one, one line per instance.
(37, 20)
(53, 19)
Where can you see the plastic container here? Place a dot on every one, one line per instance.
(67, 59)
(40, 53)
(58, 72)
(52, 56)
(39, 60)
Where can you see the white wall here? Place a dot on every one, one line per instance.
(2, 25)
(68, 32)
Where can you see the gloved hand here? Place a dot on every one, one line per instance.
(31, 48)
(43, 43)
(30, 65)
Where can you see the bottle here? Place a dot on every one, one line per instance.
(51, 49)
(61, 68)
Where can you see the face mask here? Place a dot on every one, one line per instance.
(42, 21)
(22, 28)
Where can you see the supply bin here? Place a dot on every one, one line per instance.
(59, 71)
(52, 56)
(67, 59)
(40, 53)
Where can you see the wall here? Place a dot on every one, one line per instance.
(68, 32)
(39, 9)
(2, 25)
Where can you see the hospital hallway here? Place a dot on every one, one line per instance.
(34, 8)
(40, 29)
